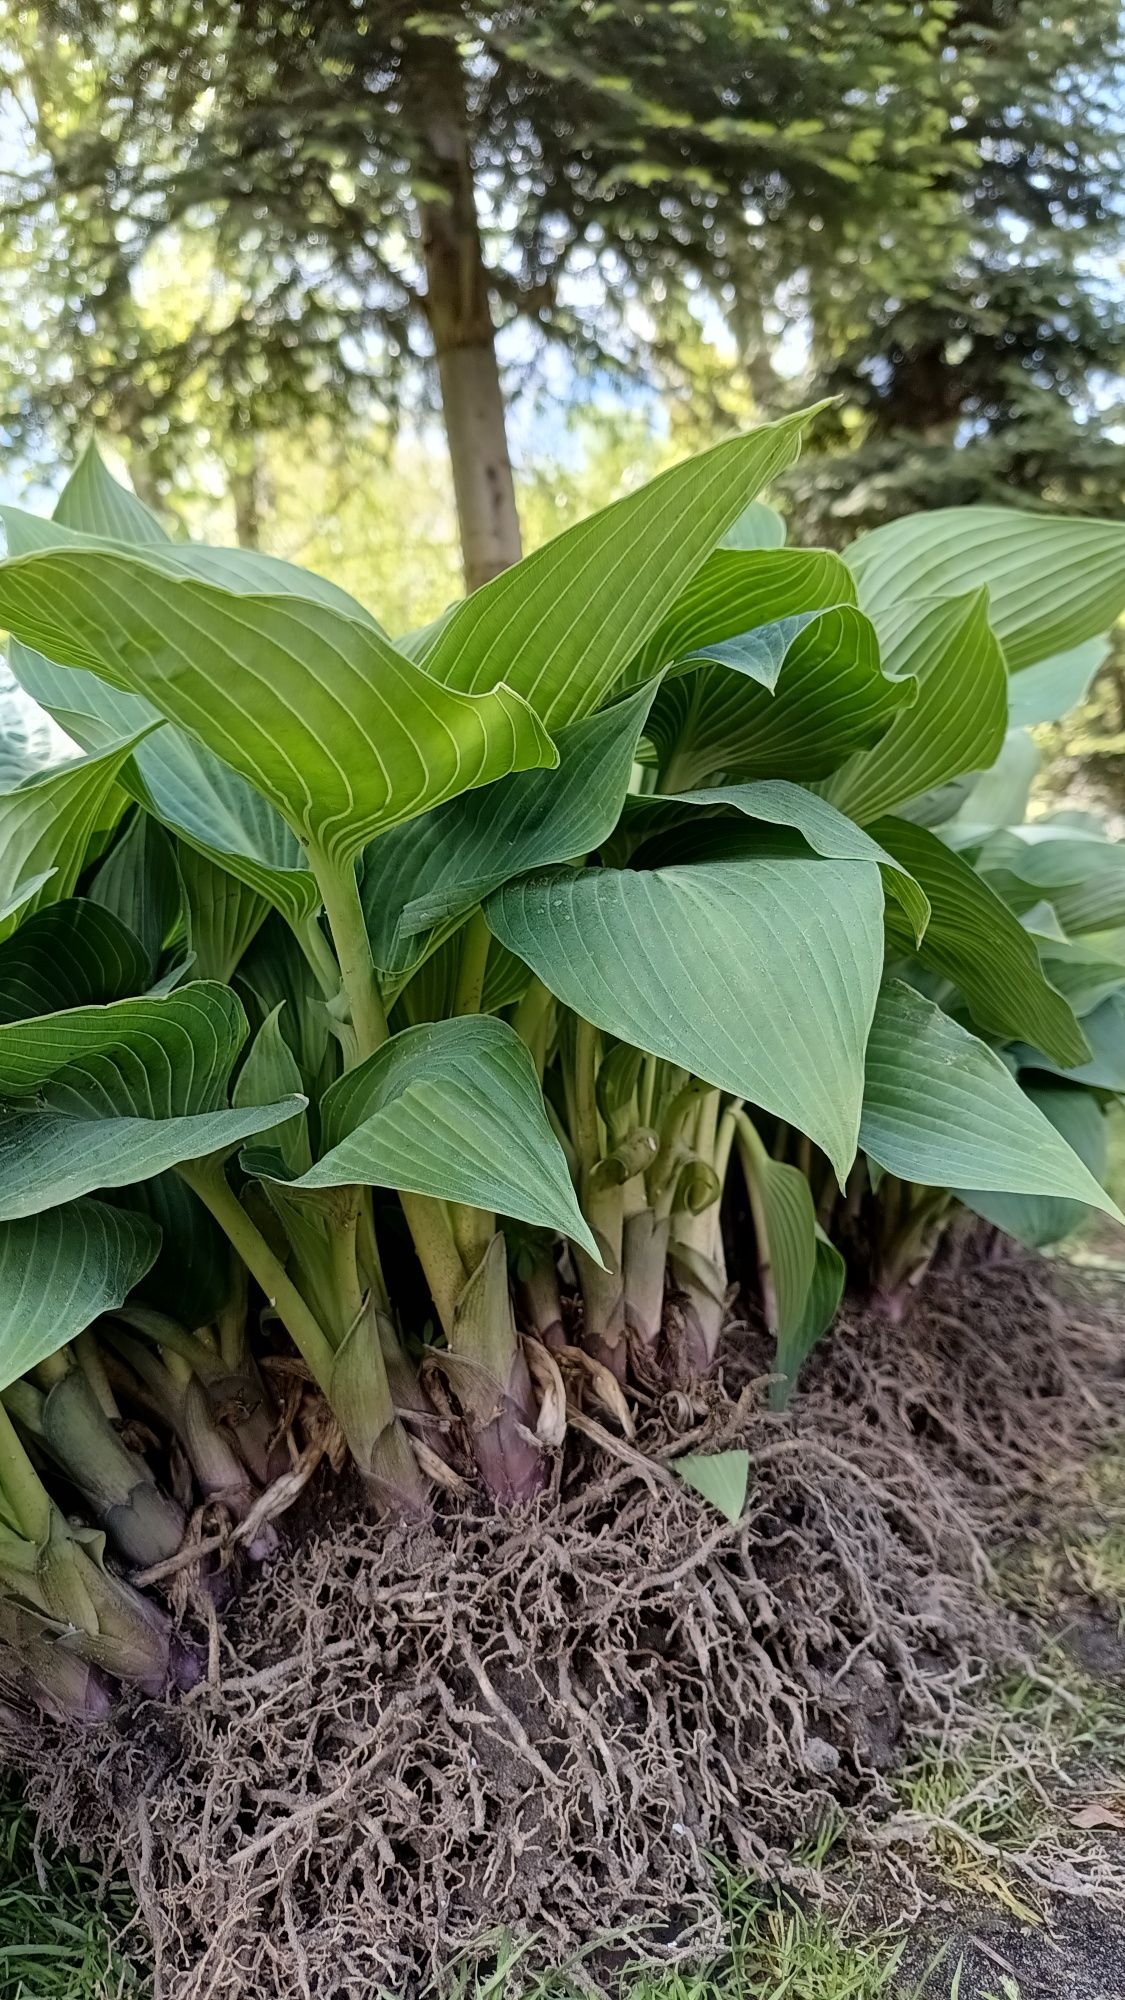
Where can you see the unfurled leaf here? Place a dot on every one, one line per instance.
(181, 783)
(562, 626)
(59, 1271)
(427, 874)
(974, 940)
(948, 652)
(759, 976)
(941, 1109)
(72, 954)
(831, 697)
(103, 1096)
(722, 1477)
(740, 596)
(454, 1110)
(46, 826)
(1038, 1220)
(313, 706)
(776, 802)
(1053, 581)
(93, 502)
(1051, 688)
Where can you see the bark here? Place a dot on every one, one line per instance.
(246, 491)
(459, 310)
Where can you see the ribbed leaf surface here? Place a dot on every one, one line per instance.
(562, 626)
(941, 1109)
(46, 824)
(452, 1109)
(59, 1271)
(1053, 581)
(72, 954)
(103, 1096)
(957, 723)
(973, 939)
(1037, 1220)
(759, 976)
(315, 708)
(740, 593)
(428, 873)
(830, 697)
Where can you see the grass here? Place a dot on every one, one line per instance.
(1058, 1738)
(59, 1923)
(776, 1950)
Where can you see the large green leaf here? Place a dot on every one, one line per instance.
(1104, 1068)
(180, 782)
(746, 595)
(801, 1272)
(314, 707)
(1038, 1219)
(941, 1109)
(759, 976)
(46, 825)
(140, 883)
(1082, 973)
(95, 503)
(104, 1096)
(1051, 688)
(757, 527)
(430, 872)
(452, 1109)
(224, 915)
(776, 802)
(1080, 875)
(1053, 581)
(831, 696)
(72, 954)
(59, 1271)
(562, 626)
(974, 939)
(949, 653)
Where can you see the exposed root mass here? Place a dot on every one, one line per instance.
(552, 1721)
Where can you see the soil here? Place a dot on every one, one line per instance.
(1078, 1955)
(554, 1721)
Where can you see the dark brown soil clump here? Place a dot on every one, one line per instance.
(552, 1722)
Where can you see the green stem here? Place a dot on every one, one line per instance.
(755, 1162)
(318, 953)
(587, 1128)
(340, 893)
(441, 1261)
(532, 1022)
(476, 943)
(21, 1485)
(208, 1180)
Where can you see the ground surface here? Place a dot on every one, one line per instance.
(897, 1689)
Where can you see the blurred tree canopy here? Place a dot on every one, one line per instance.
(368, 189)
(223, 221)
(990, 372)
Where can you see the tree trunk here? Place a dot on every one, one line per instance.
(460, 316)
(246, 481)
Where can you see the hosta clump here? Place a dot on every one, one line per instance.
(408, 1003)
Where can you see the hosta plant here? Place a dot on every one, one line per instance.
(410, 1003)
